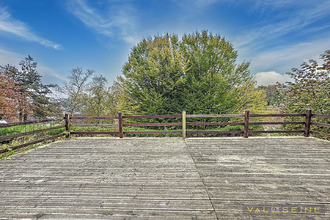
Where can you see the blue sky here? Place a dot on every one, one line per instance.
(275, 35)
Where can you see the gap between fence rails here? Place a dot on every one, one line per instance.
(245, 132)
(120, 133)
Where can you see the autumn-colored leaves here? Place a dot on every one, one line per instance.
(12, 98)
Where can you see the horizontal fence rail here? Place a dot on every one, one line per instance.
(123, 124)
(96, 125)
(153, 124)
(94, 132)
(246, 124)
(214, 123)
(214, 116)
(31, 143)
(28, 122)
(321, 116)
(9, 138)
(277, 115)
(92, 117)
(152, 132)
(277, 123)
(320, 125)
(153, 116)
(214, 132)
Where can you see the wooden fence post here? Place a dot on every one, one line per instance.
(184, 121)
(120, 124)
(67, 124)
(308, 122)
(246, 123)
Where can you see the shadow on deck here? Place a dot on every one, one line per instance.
(168, 178)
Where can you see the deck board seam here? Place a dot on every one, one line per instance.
(201, 178)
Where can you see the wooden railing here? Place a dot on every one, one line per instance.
(246, 130)
(120, 131)
(319, 125)
(4, 139)
(182, 124)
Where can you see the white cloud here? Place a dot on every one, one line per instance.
(283, 59)
(43, 70)
(271, 78)
(90, 17)
(282, 23)
(278, 4)
(118, 21)
(19, 29)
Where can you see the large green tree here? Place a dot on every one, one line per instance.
(310, 88)
(198, 73)
(154, 76)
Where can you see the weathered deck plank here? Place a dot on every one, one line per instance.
(102, 178)
(265, 171)
(165, 178)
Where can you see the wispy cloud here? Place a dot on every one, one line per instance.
(282, 23)
(13, 58)
(114, 21)
(287, 34)
(278, 4)
(284, 58)
(15, 27)
(44, 70)
(90, 17)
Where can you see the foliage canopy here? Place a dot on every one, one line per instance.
(33, 94)
(87, 94)
(310, 88)
(198, 73)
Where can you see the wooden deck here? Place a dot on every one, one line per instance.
(166, 178)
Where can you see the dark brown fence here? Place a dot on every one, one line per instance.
(68, 124)
(121, 124)
(249, 125)
(243, 120)
(10, 137)
(319, 125)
